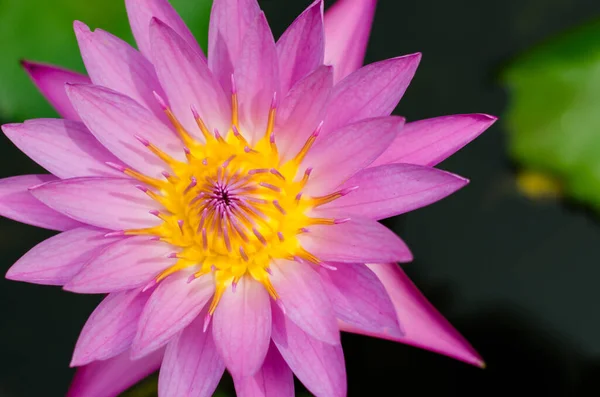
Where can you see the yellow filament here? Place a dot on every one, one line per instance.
(231, 209)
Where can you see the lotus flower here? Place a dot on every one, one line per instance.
(228, 205)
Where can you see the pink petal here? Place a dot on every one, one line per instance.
(274, 379)
(304, 300)
(425, 327)
(300, 48)
(394, 189)
(347, 29)
(110, 329)
(51, 80)
(116, 120)
(17, 203)
(229, 21)
(242, 327)
(430, 141)
(113, 376)
(64, 147)
(174, 304)
(140, 13)
(372, 91)
(337, 156)
(110, 203)
(192, 366)
(360, 299)
(357, 241)
(188, 81)
(55, 261)
(302, 110)
(318, 365)
(257, 78)
(113, 63)
(130, 263)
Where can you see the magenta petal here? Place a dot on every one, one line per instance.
(55, 261)
(188, 82)
(51, 80)
(300, 48)
(394, 189)
(130, 263)
(360, 299)
(242, 327)
(113, 376)
(110, 203)
(256, 78)
(113, 63)
(371, 91)
(274, 379)
(111, 327)
(301, 111)
(304, 300)
(347, 29)
(174, 304)
(117, 120)
(17, 203)
(358, 240)
(424, 326)
(337, 156)
(318, 365)
(229, 22)
(428, 142)
(64, 147)
(140, 13)
(192, 366)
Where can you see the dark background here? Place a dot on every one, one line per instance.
(517, 277)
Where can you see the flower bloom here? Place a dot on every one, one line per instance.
(228, 205)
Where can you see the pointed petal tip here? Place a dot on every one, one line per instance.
(80, 27)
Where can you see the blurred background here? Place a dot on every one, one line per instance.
(512, 260)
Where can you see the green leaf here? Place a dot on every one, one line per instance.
(553, 116)
(42, 31)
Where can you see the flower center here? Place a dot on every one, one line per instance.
(231, 208)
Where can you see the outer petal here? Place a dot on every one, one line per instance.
(430, 141)
(424, 326)
(174, 304)
(347, 29)
(130, 263)
(275, 379)
(356, 241)
(302, 110)
(64, 147)
(242, 327)
(304, 300)
(318, 365)
(110, 203)
(113, 376)
(17, 203)
(301, 47)
(229, 21)
(192, 366)
(360, 299)
(57, 260)
(51, 80)
(140, 13)
(394, 189)
(114, 64)
(257, 78)
(187, 81)
(371, 91)
(110, 329)
(337, 156)
(116, 120)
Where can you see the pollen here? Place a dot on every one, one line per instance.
(231, 208)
